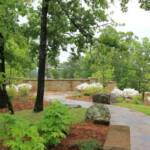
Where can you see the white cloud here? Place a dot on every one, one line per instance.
(136, 19)
(64, 56)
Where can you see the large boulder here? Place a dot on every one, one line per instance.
(99, 114)
(101, 98)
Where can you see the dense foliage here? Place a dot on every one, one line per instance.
(117, 56)
(18, 91)
(17, 52)
(113, 55)
(18, 134)
(55, 124)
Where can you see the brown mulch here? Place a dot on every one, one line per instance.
(78, 132)
(80, 98)
(2, 147)
(19, 104)
(83, 131)
(24, 105)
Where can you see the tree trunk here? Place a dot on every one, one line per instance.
(42, 58)
(4, 99)
(143, 95)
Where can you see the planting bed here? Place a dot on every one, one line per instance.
(23, 105)
(83, 131)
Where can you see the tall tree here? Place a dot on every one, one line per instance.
(72, 23)
(10, 37)
(4, 99)
(42, 57)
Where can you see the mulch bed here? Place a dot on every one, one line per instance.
(19, 104)
(24, 105)
(78, 132)
(83, 131)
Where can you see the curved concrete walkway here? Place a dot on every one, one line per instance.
(138, 122)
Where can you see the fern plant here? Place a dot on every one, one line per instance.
(55, 124)
(17, 134)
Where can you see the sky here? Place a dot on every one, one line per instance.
(136, 19)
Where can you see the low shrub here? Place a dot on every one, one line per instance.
(90, 144)
(136, 100)
(27, 85)
(17, 134)
(128, 92)
(117, 92)
(55, 124)
(90, 91)
(82, 86)
(120, 99)
(24, 91)
(12, 91)
(77, 94)
(133, 100)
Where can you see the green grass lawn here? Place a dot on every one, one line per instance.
(140, 108)
(77, 114)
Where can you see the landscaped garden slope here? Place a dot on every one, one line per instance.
(59, 127)
(37, 117)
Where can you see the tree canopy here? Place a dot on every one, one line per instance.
(16, 44)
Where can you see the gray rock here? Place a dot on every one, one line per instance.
(101, 98)
(74, 105)
(113, 98)
(99, 114)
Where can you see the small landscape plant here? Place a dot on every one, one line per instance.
(55, 124)
(18, 134)
(90, 144)
(24, 89)
(24, 92)
(12, 91)
(136, 100)
(120, 99)
(91, 91)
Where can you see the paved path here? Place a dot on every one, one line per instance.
(138, 122)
